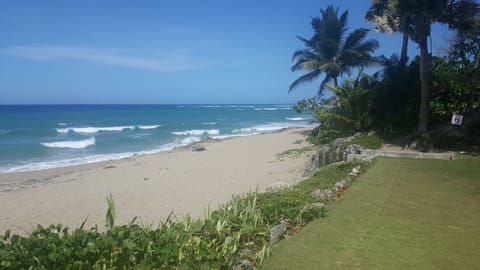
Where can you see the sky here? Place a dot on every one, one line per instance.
(163, 52)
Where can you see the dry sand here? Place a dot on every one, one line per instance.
(148, 187)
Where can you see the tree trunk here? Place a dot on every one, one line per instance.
(425, 84)
(335, 82)
(403, 55)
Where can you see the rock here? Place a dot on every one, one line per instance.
(322, 194)
(243, 264)
(313, 205)
(299, 141)
(341, 185)
(278, 186)
(329, 193)
(354, 149)
(197, 148)
(355, 171)
(277, 232)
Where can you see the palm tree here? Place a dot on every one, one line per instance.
(386, 19)
(421, 15)
(417, 16)
(328, 52)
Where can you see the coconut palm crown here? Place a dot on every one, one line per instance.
(328, 52)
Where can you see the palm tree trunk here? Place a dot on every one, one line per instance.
(403, 55)
(425, 84)
(335, 82)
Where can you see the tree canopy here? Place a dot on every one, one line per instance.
(330, 51)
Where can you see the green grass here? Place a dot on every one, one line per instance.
(373, 141)
(401, 214)
(296, 152)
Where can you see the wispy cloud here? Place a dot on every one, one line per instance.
(171, 61)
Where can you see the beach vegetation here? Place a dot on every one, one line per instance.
(238, 230)
(368, 140)
(287, 205)
(296, 152)
(352, 112)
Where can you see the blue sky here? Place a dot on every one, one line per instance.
(161, 52)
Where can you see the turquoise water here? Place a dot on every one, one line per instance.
(35, 137)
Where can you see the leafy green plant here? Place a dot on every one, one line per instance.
(296, 152)
(237, 230)
(110, 217)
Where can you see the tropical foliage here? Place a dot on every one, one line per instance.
(352, 112)
(330, 52)
(417, 18)
(405, 95)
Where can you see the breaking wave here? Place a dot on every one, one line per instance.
(70, 144)
(92, 129)
(197, 132)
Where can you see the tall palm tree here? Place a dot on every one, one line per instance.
(420, 15)
(328, 52)
(416, 17)
(386, 19)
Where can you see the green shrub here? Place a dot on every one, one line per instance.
(372, 141)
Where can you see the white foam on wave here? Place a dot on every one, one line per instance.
(92, 129)
(267, 128)
(272, 108)
(197, 132)
(62, 124)
(228, 136)
(71, 144)
(35, 166)
(189, 140)
(149, 127)
(296, 118)
(209, 123)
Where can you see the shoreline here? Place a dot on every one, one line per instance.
(149, 186)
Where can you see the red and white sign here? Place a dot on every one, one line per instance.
(457, 119)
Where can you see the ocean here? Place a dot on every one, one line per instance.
(36, 137)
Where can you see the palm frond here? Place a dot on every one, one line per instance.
(306, 64)
(355, 38)
(298, 55)
(307, 78)
(323, 84)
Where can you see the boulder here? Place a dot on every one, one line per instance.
(277, 232)
(318, 205)
(197, 148)
(354, 149)
(278, 186)
(299, 141)
(355, 171)
(243, 264)
(341, 185)
(322, 194)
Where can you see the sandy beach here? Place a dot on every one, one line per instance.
(149, 187)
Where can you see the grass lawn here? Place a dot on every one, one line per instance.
(401, 214)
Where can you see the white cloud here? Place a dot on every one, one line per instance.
(172, 61)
